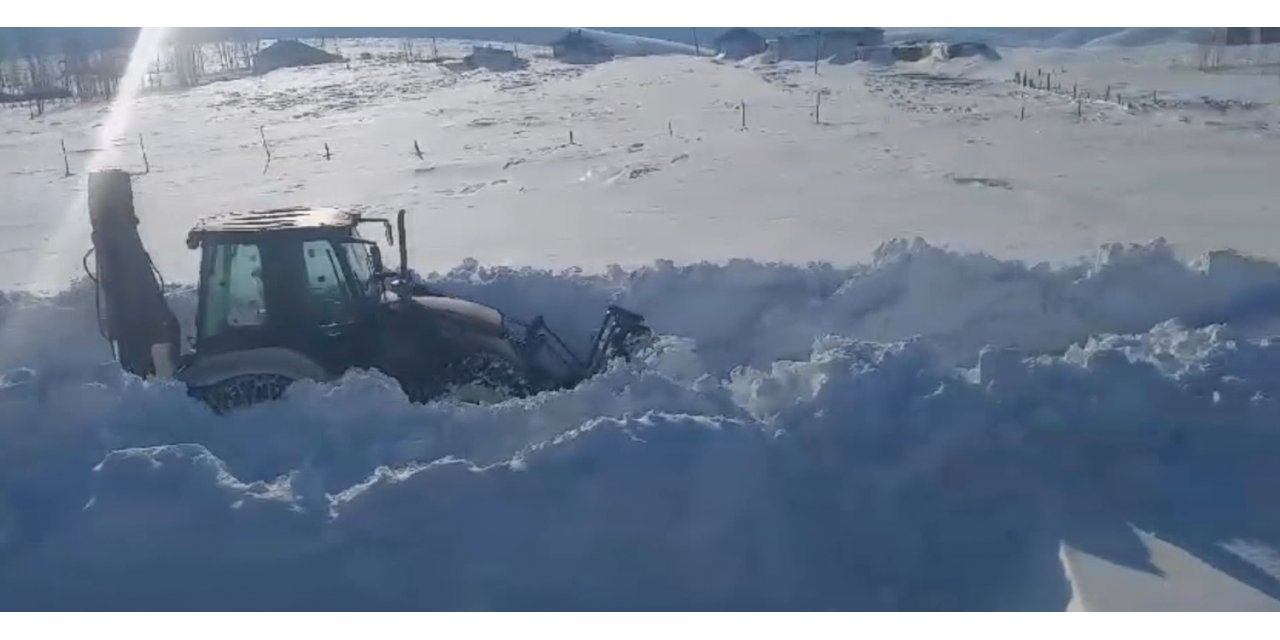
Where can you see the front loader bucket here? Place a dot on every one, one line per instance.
(139, 323)
(621, 334)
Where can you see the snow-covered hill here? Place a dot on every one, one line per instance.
(1060, 38)
(1043, 406)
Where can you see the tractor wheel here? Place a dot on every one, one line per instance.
(243, 391)
(477, 378)
(498, 377)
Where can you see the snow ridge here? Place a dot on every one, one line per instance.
(802, 437)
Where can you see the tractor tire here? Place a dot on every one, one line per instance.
(498, 375)
(243, 391)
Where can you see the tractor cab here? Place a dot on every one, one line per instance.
(297, 278)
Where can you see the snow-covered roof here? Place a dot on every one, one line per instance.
(273, 220)
(290, 53)
(739, 33)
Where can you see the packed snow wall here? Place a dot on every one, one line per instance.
(915, 433)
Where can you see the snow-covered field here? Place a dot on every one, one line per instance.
(1063, 397)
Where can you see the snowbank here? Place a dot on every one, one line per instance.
(905, 434)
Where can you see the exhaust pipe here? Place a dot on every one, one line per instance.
(404, 248)
(139, 323)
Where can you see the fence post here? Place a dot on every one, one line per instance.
(417, 150)
(817, 53)
(146, 164)
(66, 164)
(327, 155)
(670, 130)
(267, 149)
(817, 110)
(571, 137)
(744, 114)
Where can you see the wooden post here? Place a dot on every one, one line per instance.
(817, 53)
(817, 109)
(146, 164)
(571, 137)
(1022, 113)
(1074, 94)
(267, 149)
(417, 150)
(327, 155)
(1108, 95)
(744, 114)
(670, 130)
(66, 163)
(697, 50)
(1048, 81)
(1079, 110)
(1154, 99)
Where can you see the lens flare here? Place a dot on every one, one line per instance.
(59, 260)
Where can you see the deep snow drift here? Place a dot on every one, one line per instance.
(919, 432)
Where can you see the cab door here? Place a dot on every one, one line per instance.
(338, 318)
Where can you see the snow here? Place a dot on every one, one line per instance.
(831, 419)
(1059, 38)
(659, 154)
(1180, 582)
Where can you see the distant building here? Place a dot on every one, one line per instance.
(289, 53)
(970, 50)
(911, 51)
(576, 48)
(844, 44)
(493, 59)
(1252, 35)
(919, 50)
(739, 43)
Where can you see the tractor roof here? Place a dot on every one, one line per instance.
(272, 221)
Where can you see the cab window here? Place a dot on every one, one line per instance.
(234, 295)
(328, 292)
